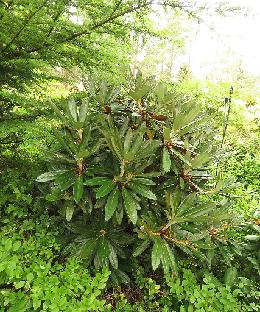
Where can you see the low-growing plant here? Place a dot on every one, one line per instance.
(34, 276)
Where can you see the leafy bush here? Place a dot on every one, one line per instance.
(128, 178)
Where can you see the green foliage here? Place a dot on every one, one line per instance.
(34, 277)
(134, 174)
(186, 293)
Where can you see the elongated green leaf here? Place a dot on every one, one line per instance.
(166, 160)
(65, 180)
(141, 248)
(166, 135)
(88, 248)
(156, 255)
(131, 206)
(50, 176)
(113, 257)
(230, 276)
(78, 189)
(83, 111)
(183, 119)
(105, 189)
(73, 109)
(119, 215)
(124, 128)
(142, 190)
(144, 181)
(112, 203)
(200, 160)
(96, 181)
(69, 211)
(148, 149)
(128, 140)
(172, 258)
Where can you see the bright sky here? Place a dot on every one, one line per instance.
(233, 40)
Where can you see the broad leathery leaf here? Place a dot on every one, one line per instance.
(103, 250)
(141, 248)
(88, 249)
(112, 203)
(142, 190)
(172, 258)
(184, 119)
(165, 258)
(124, 128)
(156, 254)
(69, 211)
(230, 276)
(105, 189)
(144, 181)
(96, 181)
(148, 149)
(83, 111)
(78, 189)
(132, 153)
(128, 140)
(50, 176)
(199, 160)
(166, 135)
(119, 215)
(113, 256)
(187, 204)
(131, 206)
(166, 160)
(65, 180)
(73, 109)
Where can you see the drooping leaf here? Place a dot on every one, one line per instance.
(83, 111)
(199, 160)
(78, 189)
(142, 190)
(88, 248)
(105, 189)
(65, 180)
(96, 181)
(141, 248)
(69, 211)
(156, 255)
(50, 176)
(148, 148)
(131, 206)
(112, 203)
(113, 257)
(166, 160)
(166, 135)
(73, 109)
